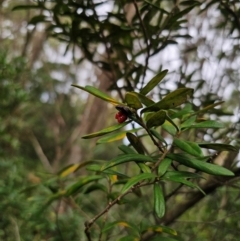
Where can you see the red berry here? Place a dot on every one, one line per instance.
(121, 117)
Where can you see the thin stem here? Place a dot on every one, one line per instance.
(89, 223)
(111, 204)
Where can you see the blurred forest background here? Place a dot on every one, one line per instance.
(117, 46)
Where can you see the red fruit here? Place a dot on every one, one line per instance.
(121, 117)
(117, 115)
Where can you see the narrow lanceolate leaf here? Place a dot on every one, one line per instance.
(25, 7)
(135, 142)
(201, 165)
(190, 147)
(106, 130)
(124, 224)
(208, 124)
(186, 111)
(158, 136)
(136, 179)
(73, 189)
(112, 137)
(163, 166)
(218, 146)
(189, 122)
(161, 229)
(54, 197)
(168, 127)
(157, 119)
(145, 100)
(143, 167)
(153, 82)
(94, 167)
(127, 158)
(159, 202)
(95, 187)
(181, 177)
(132, 100)
(126, 149)
(172, 100)
(207, 108)
(73, 168)
(172, 122)
(115, 136)
(181, 174)
(96, 92)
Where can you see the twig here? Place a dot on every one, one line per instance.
(15, 229)
(57, 219)
(88, 224)
(40, 153)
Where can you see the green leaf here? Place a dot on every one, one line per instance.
(127, 158)
(135, 142)
(180, 177)
(205, 109)
(73, 189)
(190, 147)
(25, 7)
(163, 166)
(132, 100)
(181, 174)
(172, 100)
(182, 13)
(168, 127)
(190, 2)
(158, 136)
(200, 165)
(161, 229)
(95, 187)
(73, 168)
(145, 100)
(157, 7)
(54, 197)
(126, 149)
(189, 122)
(112, 137)
(115, 136)
(153, 82)
(159, 202)
(143, 167)
(94, 168)
(106, 130)
(37, 19)
(68, 170)
(172, 122)
(136, 179)
(97, 168)
(187, 109)
(208, 124)
(120, 224)
(96, 92)
(219, 146)
(157, 119)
